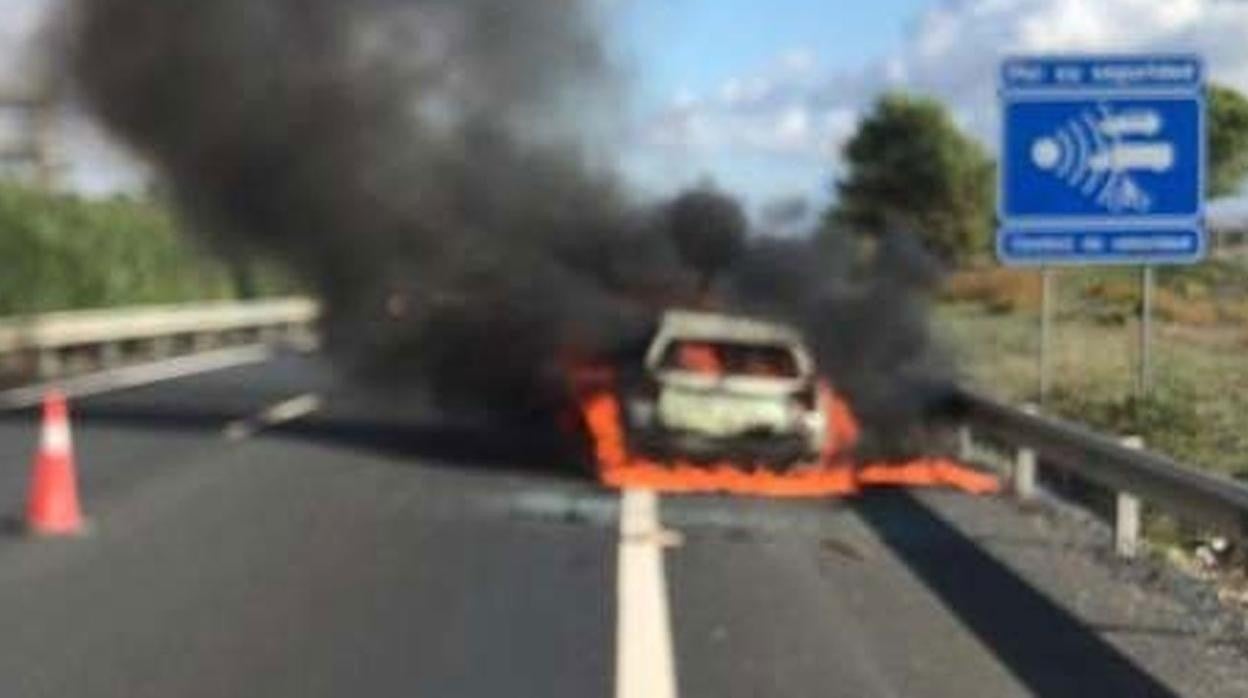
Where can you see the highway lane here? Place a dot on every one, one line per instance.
(370, 548)
(292, 567)
(124, 436)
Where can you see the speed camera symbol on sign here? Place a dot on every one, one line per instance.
(1093, 153)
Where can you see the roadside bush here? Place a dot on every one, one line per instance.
(1234, 312)
(1111, 301)
(63, 252)
(1203, 296)
(997, 289)
(1172, 307)
(1168, 419)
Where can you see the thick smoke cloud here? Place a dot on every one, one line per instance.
(421, 164)
(864, 307)
(786, 213)
(708, 229)
(416, 161)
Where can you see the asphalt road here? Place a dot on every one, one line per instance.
(373, 547)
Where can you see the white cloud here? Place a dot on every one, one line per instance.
(793, 109)
(20, 22)
(95, 165)
(745, 92)
(766, 112)
(91, 163)
(793, 127)
(686, 99)
(955, 48)
(799, 61)
(838, 125)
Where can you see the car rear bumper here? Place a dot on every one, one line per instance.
(771, 450)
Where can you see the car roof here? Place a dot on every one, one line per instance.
(696, 325)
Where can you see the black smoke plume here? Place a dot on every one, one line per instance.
(423, 166)
(709, 230)
(864, 305)
(785, 214)
(418, 162)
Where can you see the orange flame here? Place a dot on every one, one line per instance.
(700, 358)
(834, 475)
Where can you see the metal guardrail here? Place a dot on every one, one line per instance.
(46, 338)
(1219, 503)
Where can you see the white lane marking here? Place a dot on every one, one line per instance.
(644, 662)
(135, 376)
(281, 413)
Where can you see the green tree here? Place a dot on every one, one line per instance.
(909, 167)
(1228, 140)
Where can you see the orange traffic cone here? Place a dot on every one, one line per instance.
(52, 506)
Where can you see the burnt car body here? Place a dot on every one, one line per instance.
(720, 387)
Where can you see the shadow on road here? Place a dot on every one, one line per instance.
(1045, 647)
(428, 439)
(487, 446)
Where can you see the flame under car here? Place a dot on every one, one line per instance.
(725, 388)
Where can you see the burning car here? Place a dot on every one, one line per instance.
(718, 387)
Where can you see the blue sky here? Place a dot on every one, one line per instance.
(761, 95)
(678, 49)
(697, 44)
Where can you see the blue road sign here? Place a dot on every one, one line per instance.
(1102, 161)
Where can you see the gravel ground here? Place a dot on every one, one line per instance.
(1169, 620)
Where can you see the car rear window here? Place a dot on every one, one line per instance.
(722, 358)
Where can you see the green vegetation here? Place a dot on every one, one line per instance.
(63, 252)
(1198, 412)
(1228, 140)
(911, 170)
(1207, 295)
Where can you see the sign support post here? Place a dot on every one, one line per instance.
(1046, 336)
(1148, 282)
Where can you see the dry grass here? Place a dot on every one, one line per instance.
(1110, 297)
(1199, 312)
(1198, 412)
(998, 290)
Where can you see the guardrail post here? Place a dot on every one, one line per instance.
(269, 336)
(13, 362)
(966, 443)
(1023, 479)
(162, 347)
(203, 341)
(1127, 513)
(110, 354)
(48, 363)
(301, 336)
